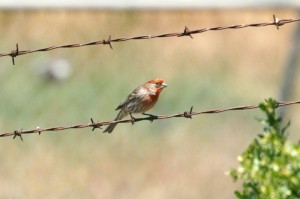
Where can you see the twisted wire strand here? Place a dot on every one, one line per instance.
(186, 32)
(95, 125)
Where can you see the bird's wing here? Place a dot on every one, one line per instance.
(130, 98)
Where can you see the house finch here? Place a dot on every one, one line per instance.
(140, 100)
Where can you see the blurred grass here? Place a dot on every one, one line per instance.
(177, 158)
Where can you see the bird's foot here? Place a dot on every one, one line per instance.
(133, 119)
(151, 117)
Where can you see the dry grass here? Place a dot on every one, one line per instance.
(167, 159)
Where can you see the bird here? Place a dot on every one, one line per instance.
(139, 100)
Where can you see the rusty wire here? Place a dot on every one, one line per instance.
(95, 125)
(186, 32)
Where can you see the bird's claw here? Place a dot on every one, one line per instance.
(151, 117)
(133, 119)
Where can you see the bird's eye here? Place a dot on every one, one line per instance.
(157, 84)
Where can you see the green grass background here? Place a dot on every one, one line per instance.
(176, 158)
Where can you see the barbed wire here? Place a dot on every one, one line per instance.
(186, 32)
(95, 125)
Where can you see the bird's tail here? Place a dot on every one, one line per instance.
(111, 127)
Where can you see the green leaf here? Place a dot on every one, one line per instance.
(270, 166)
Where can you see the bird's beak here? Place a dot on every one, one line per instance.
(163, 85)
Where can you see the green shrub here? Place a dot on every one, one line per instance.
(270, 166)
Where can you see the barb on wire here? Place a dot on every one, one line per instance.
(108, 41)
(14, 53)
(186, 32)
(276, 22)
(19, 134)
(95, 125)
